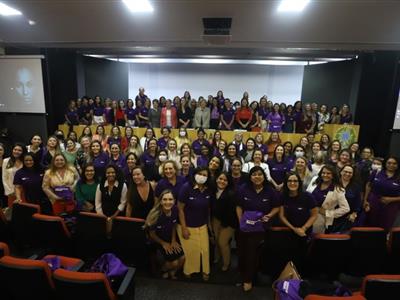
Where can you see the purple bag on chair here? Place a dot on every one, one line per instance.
(288, 289)
(64, 192)
(110, 265)
(251, 221)
(55, 263)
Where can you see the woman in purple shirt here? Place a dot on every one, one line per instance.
(117, 158)
(161, 223)
(227, 116)
(278, 167)
(28, 183)
(215, 115)
(382, 195)
(171, 180)
(98, 112)
(298, 212)
(194, 204)
(257, 204)
(98, 158)
(196, 145)
(130, 113)
(275, 120)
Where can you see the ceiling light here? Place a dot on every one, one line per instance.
(6, 10)
(292, 5)
(138, 5)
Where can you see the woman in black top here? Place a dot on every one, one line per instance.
(140, 197)
(111, 193)
(224, 220)
(184, 114)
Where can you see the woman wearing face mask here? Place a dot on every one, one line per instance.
(298, 151)
(10, 166)
(170, 179)
(330, 198)
(161, 223)
(98, 158)
(194, 203)
(183, 138)
(224, 220)
(257, 205)
(152, 171)
(298, 212)
(140, 196)
(278, 167)
(28, 183)
(247, 153)
(111, 193)
(59, 183)
(382, 195)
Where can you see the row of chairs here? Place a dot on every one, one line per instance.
(92, 237)
(374, 287)
(365, 250)
(33, 279)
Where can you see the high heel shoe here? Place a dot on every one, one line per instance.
(206, 277)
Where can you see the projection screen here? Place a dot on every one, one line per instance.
(21, 85)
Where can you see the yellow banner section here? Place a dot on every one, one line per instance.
(346, 134)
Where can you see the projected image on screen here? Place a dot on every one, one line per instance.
(21, 85)
(396, 124)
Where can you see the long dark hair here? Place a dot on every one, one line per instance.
(256, 169)
(13, 159)
(36, 163)
(335, 178)
(396, 175)
(285, 191)
(83, 176)
(198, 170)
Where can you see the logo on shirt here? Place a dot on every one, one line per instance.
(246, 199)
(191, 198)
(300, 208)
(24, 178)
(265, 200)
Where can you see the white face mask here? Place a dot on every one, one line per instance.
(200, 179)
(299, 153)
(162, 158)
(182, 133)
(376, 167)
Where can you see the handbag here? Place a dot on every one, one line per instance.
(251, 221)
(110, 265)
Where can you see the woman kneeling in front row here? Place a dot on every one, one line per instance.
(161, 223)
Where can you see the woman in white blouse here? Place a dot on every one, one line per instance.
(10, 166)
(111, 192)
(257, 160)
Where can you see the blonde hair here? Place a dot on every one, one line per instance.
(173, 162)
(155, 212)
(53, 169)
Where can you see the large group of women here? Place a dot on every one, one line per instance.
(191, 192)
(215, 112)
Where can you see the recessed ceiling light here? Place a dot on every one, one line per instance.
(6, 10)
(138, 5)
(31, 22)
(292, 5)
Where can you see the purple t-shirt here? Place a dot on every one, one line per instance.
(162, 143)
(147, 160)
(100, 163)
(277, 170)
(320, 195)
(31, 183)
(382, 185)
(264, 201)
(276, 122)
(109, 112)
(298, 209)
(120, 162)
(263, 148)
(130, 113)
(202, 161)
(164, 184)
(227, 116)
(165, 225)
(196, 145)
(197, 205)
(98, 111)
(263, 113)
(114, 140)
(73, 117)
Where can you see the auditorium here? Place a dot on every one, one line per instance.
(213, 149)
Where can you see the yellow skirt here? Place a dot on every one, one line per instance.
(196, 249)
